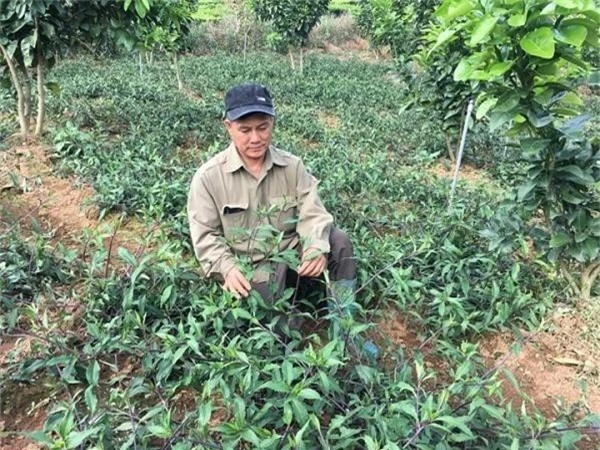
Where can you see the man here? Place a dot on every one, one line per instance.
(253, 184)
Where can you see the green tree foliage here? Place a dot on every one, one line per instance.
(33, 33)
(525, 55)
(292, 19)
(403, 26)
(397, 23)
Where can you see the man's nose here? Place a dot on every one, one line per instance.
(254, 136)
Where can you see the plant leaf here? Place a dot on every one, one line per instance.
(572, 34)
(539, 42)
(483, 29)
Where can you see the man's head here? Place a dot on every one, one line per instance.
(249, 119)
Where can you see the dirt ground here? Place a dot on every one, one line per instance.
(557, 369)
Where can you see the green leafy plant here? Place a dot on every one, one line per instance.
(525, 55)
(292, 19)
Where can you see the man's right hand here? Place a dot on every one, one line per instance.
(236, 283)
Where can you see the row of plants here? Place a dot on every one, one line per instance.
(158, 358)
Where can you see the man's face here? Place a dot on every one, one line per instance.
(251, 135)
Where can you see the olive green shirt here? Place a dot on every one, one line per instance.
(231, 212)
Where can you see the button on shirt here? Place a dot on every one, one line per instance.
(230, 211)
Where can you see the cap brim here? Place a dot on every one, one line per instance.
(242, 111)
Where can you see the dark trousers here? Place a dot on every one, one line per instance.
(340, 263)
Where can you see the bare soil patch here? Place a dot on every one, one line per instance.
(468, 173)
(550, 368)
(553, 367)
(328, 119)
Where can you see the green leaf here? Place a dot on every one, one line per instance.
(451, 9)
(576, 175)
(456, 422)
(500, 68)
(517, 20)
(497, 119)
(572, 34)
(159, 431)
(574, 127)
(204, 413)
(76, 438)
(482, 30)
(569, 4)
(442, 38)
(276, 386)
(463, 70)
(39, 436)
(484, 108)
(140, 8)
(525, 189)
(559, 240)
(250, 436)
(309, 394)
(508, 102)
(539, 119)
(127, 4)
(126, 256)
(93, 373)
(569, 438)
(90, 399)
(370, 443)
(539, 42)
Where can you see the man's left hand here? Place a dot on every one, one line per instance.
(313, 264)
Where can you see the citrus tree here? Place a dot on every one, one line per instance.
(525, 55)
(34, 33)
(292, 19)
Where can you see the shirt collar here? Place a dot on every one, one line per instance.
(234, 160)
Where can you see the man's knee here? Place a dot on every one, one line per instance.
(340, 242)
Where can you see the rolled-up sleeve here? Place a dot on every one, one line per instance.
(314, 222)
(211, 250)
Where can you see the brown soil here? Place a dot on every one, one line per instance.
(355, 48)
(468, 173)
(62, 205)
(45, 195)
(22, 409)
(330, 120)
(549, 368)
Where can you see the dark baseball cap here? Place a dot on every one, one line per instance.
(245, 99)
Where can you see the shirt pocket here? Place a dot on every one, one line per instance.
(234, 217)
(284, 212)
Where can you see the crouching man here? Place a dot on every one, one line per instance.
(231, 192)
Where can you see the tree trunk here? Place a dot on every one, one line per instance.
(41, 113)
(177, 72)
(450, 147)
(301, 60)
(27, 96)
(141, 64)
(588, 277)
(292, 59)
(19, 88)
